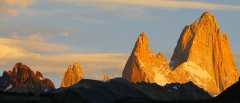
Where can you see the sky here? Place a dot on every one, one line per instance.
(50, 35)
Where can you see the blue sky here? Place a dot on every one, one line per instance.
(50, 35)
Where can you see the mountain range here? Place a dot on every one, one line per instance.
(105, 92)
(201, 67)
(23, 80)
(119, 90)
(202, 55)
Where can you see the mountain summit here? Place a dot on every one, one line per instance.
(22, 79)
(72, 75)
(203, 45)
(202, 55)
(144, 65)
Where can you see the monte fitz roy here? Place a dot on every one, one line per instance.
(201, 68)
(202, 55)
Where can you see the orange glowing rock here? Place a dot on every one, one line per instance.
(106, 78)
(202, 55)
(203, 44)
(72, 75)
(144, 65)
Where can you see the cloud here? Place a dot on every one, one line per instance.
(33, 37)
(38, 47)
(89, 20)
(39, 57)
(169, 4)
(65, 34)
(36, 37)
(9, 7)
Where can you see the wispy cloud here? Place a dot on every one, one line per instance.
(33, 37)
(169, 4)
(39, 47)
(36, 56)
(89, 20)
(36, 37)
(9, 7)
(65, 34)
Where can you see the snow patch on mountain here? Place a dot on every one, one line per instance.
(41, 78)
(160, 79)
(175, 87)
(194, 69)
(9, 87)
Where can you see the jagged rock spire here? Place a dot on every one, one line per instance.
(202, 55)
(72, 75)
(106, 79)
(144, 65)
(22, 79)
(203, 44)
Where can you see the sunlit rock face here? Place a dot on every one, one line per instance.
(202, 55)
(72, 75)
(203, 45)
(144, 65)
(23, 80)
(106, 79)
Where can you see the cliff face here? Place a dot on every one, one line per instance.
(22, 79)
(202, 55)
(144, 65)
(72, 75)
(189, 71)
(203, 44)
